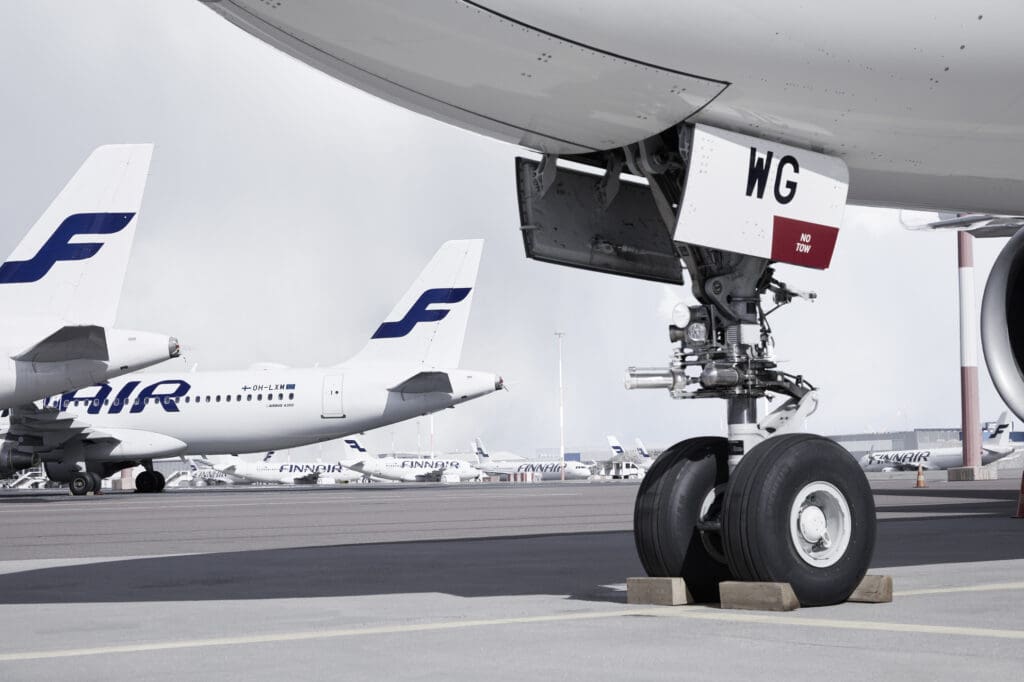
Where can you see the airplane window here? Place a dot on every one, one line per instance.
(96, 402)
(249, 397)
(207, 398)
(291, 396)
(280, 396)
(259, 396)
(106, 402)
(238, 398)
(228, 397)
(218, 398)
(187, 399)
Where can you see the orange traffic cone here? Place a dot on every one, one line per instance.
(920, 477)
(1020, 500)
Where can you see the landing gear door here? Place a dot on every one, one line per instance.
(333, 406)
(581, 222)
(762, 198)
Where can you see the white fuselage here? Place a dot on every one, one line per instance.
(922, 102)
(937, 458)
(243, 411)
(409, 469)
(549, 471)
(288, 472)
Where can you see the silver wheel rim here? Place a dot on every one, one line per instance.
(820, 524)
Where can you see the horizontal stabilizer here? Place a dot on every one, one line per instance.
(425, 382)
(85, 342)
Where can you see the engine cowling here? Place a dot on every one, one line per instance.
(12, 462)
(1002, 324)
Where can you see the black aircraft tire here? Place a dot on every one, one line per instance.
(667, 510)
(80, 483)
(145, 482)
(160, 482)
(780, 497)
(95, 482)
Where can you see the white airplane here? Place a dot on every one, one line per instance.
(407, 369)
(640, 457)
(995, 447)
(412, 469)
(752, 126)
(269, 470)
(60, 288)
(481, 452)
(549, 470)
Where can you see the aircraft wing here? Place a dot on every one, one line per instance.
(46, 432)
(41, 431)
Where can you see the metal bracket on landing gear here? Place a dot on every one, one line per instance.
(788, 416)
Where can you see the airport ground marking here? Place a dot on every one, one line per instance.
(987, 587)
(682, 613)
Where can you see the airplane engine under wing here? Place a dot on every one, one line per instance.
(1002, 324)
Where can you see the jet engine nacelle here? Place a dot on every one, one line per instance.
(73, 357)
(1002, 324)
(13, 462)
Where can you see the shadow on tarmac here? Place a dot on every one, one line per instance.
(580, 565)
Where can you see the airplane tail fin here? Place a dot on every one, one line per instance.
(1001, 436)
(71, 264)
(428, 325)
(641, 449)
(356, 448)
(616, 446)
(480, 450)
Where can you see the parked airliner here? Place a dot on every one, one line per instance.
(60, 288)
(407, 369)
(995, 447)
(274, 469)
(548, 470)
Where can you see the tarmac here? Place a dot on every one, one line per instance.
(472, 581)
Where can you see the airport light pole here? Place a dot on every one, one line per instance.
(561, 405)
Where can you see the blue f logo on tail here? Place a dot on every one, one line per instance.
(420, 312)
(355, 445)
(58, 246)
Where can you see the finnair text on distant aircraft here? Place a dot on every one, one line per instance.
(311, 468)
(900, 457)
(430, 464)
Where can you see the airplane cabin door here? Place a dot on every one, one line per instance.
(333, 407)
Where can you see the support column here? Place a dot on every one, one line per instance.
(971, 420)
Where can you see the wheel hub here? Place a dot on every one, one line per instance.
(820, 524)
(813, 526)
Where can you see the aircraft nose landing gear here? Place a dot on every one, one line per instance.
(784, 507)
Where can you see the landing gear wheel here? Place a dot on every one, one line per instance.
(96, 482)
(676, 495)
(80, 483)
(798, 509)
(160, 482)
(145, 482)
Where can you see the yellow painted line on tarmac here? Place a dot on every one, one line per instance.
(682, 613)
(988, 587)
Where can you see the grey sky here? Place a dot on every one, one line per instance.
(286, 212)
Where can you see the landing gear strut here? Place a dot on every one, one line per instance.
(764, 504)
